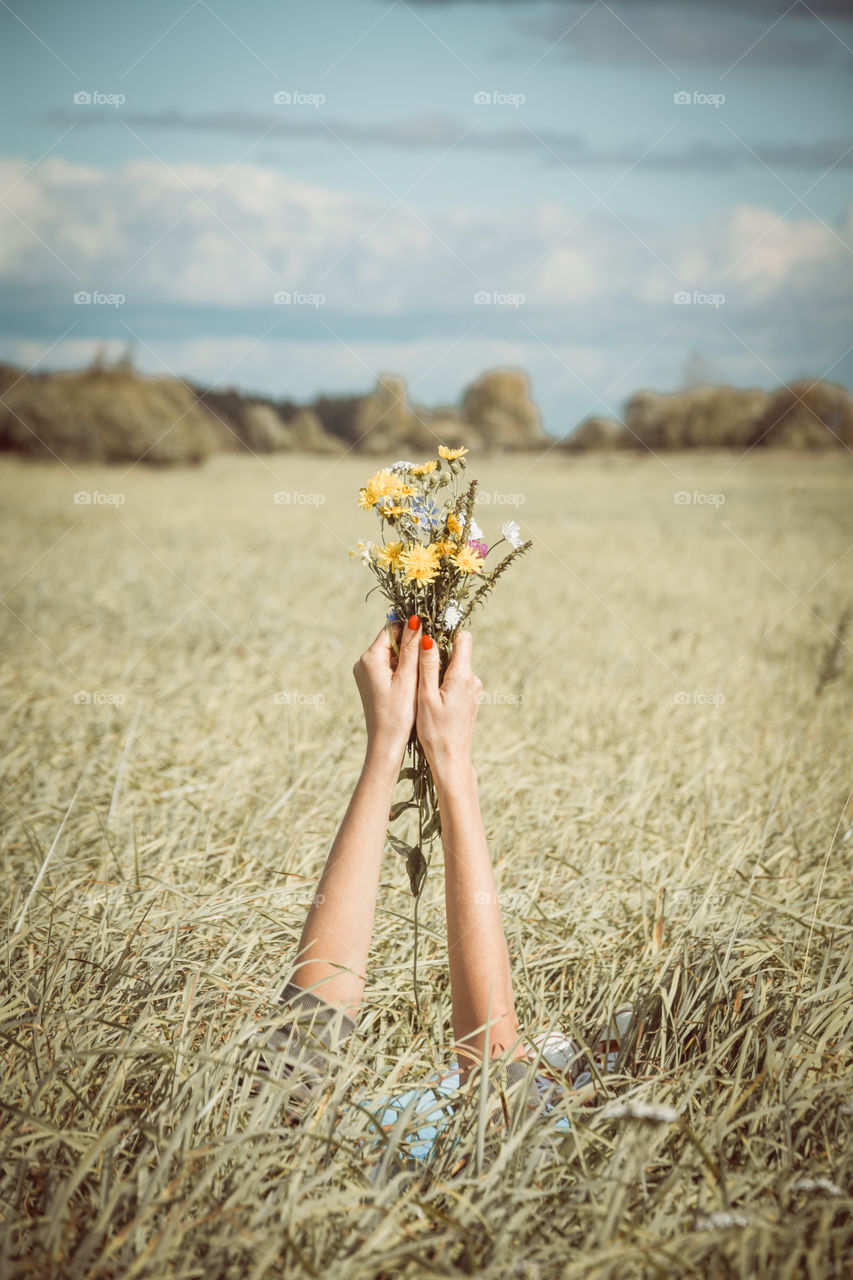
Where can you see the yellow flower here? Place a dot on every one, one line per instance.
(365, 501)
(385, 485)
(389, 555)
(406, 491)
(468, 560)
(446, 547)
(451, 454)
(420, 562)
(425, 469)
(389, 509)
(454, 524)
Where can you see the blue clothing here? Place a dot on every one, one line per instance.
(316, 1027)
(432, 1112)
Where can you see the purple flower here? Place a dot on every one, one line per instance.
(482, 548)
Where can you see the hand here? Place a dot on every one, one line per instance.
(388, 688)
(446, 713)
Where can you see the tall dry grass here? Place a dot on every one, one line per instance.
(667, 800)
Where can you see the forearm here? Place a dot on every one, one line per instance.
(335, 941)
(480, 978)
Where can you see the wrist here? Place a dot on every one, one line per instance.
(383, 757)
(454, 777)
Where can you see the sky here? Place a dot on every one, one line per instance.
(292, 198)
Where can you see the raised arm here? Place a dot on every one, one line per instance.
(480, 980)
(336, 938)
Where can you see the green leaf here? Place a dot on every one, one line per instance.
(400, 807)
(433, 826)
(400, 846)
(416, 865)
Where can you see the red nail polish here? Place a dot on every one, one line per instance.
(426, 642)
(414, 622)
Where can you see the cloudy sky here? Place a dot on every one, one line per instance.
(438, 186)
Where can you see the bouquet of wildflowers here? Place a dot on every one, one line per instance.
(431, 561)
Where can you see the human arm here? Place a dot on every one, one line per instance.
(480, 978)
(335, 940)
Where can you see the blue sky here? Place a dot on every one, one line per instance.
(384, 197)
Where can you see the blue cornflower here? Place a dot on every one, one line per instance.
(424, 511)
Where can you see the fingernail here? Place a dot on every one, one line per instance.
(426, 642)
(414, 622)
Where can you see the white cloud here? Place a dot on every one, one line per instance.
(598, 287)
(141, 228)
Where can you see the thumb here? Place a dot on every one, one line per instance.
(429, 663)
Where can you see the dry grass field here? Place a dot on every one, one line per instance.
(664, 752)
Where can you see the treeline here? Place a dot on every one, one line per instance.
(111, 413)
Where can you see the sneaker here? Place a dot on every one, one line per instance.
(606, 1046)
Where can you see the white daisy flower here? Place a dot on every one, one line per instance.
(721, 1220)
(633, 1109)
(365, 550)
(402, 466)
(476, 531)
(452, 616)
(817, 1184)
(512, 533)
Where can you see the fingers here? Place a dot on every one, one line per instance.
(429, 663)
(460, 660)
(408, 663)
